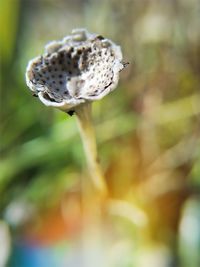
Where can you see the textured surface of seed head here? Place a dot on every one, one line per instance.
(82, 67)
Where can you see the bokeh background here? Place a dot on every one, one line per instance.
(148, 135)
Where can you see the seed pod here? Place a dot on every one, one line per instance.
(82, 67)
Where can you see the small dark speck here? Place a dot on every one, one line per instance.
(100, 37)
(71, 112)
(35, 95)
(55, 69)
(53, 62)
(125, 64)
(60, 82)
(60, 76)
(57, 89)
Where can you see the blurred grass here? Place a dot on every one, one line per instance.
(9, 15)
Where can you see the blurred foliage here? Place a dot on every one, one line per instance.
(147, 130)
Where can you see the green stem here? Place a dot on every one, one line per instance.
(84, 117)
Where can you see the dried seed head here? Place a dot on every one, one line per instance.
(82, 67)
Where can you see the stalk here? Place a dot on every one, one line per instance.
(87, 133)
(93, 202)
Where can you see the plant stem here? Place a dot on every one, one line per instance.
(84, 117)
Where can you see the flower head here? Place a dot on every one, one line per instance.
(82, 67)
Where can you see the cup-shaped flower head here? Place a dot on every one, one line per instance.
(80, 68)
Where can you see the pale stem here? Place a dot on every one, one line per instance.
(93, 232)
(84, 117)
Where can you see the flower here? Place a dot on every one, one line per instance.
(81, 68)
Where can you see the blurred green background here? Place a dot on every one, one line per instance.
(148, 135)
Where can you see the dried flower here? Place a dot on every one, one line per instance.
(81, 68)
